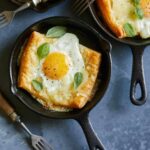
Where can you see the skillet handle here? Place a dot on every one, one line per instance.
(92, 139)
(138, 76)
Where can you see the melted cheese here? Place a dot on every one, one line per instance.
(123, 12)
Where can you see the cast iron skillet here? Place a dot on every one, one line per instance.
(87, 36)
(137, 45)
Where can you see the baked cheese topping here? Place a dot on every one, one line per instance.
(124, 12)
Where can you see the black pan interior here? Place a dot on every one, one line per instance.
(88, 37)
(137, 41)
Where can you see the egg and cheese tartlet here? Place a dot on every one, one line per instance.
(64, 77)
(127, 18)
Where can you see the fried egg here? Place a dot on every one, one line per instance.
(58, 69)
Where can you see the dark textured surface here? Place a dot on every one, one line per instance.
(119, 124)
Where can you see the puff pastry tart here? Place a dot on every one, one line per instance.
(126, 18)
(58, 72)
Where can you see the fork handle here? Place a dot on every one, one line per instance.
(7, 108)
(23, 7)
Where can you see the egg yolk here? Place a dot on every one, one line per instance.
(145, 4)
(55, 66)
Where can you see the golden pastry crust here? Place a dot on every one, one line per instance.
(105, 7)
(145, 4)
(28, 62)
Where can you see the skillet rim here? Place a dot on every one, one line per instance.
(55, 115)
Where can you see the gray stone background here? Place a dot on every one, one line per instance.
(119, 124)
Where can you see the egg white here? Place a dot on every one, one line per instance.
(60, 89)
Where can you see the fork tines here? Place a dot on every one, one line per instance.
(2, 20)
(39, 143)
(79, 6)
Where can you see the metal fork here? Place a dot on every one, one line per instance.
(6, 17)
(38, 142)
(79, 6)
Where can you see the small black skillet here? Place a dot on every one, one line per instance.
(87, 36)
(137, 46)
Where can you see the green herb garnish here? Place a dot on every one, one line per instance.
(37, 85)
(129, 30)
(139, 13)
(43, 50)
(78, 78)
(136, 2)
(56, 32)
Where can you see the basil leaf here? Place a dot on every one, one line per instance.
(139, 13)
(129, 30)
(136, 2)
(43, 50)
(37, 85)
(56, 32)
(78, 78)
